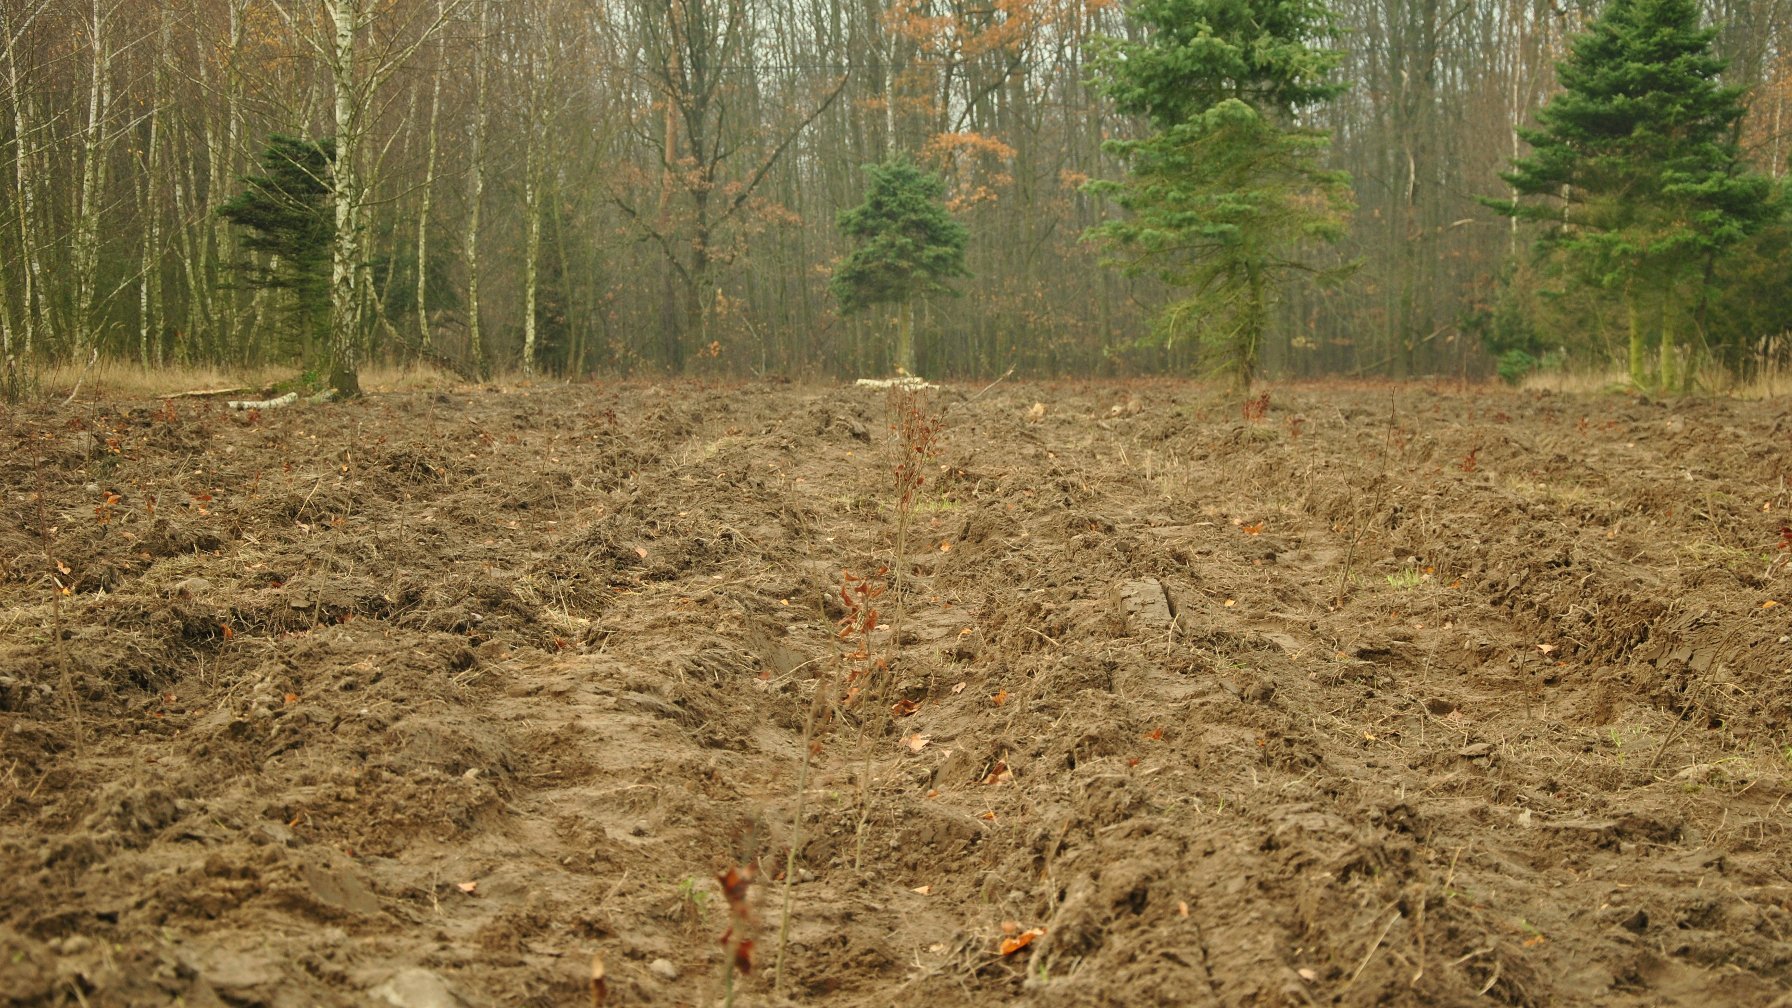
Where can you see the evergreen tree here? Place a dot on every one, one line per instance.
(1636, 163)
(907, 247)
(1228, 188)
(287, 216)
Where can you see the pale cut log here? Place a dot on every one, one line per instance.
(275, 403)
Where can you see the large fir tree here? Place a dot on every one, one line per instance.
(1636, 170)
(1228, 188)
(286, 215)
(907, 247)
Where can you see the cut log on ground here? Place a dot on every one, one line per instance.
(204, 393)
(275, 403)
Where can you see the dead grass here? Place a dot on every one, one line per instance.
(1770, 376)
(407, 378)
(117, 379)
(121, 379)
(1601, 382)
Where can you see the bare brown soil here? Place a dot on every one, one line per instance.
(1446, 698)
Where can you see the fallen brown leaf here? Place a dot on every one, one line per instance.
(1020, 941)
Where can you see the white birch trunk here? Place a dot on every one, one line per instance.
(200, 239)
(475, 344)
(191, 240)
(84, 250)
(226, 164)
(344, 316)
(26, 177)
(147, 301)
(428, 192)
(532, 185)
(531, 254)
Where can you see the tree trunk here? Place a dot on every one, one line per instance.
(475, 339)
(344, 316)
(1250, 337)
(1639, 362)
(1672, 370)
(424, 198)
(531, 249)
(905, 336)
(84, 323)
(149, 341)
(25, 173)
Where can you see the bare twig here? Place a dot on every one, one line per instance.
(1385, 928)
(1356, 532)
(1005, 376)
(66, 677)
(796, 826)
(95, 355)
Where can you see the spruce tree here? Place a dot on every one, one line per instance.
(1636, 171)
(907, 247)
(1228, 188)
(286, 215)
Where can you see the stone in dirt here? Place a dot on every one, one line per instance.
(237, 973)
(415, 987)
(338, 886)
(1142, 605)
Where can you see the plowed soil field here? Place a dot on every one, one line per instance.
(1360, 696)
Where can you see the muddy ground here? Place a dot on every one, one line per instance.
(1376, 696)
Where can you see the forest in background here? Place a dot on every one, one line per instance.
(576, 186)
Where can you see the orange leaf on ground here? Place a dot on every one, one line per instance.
(1254, 528)
(467, 887)
(999, 698)
(903, 708)
(916, 742)
(1020, 941)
